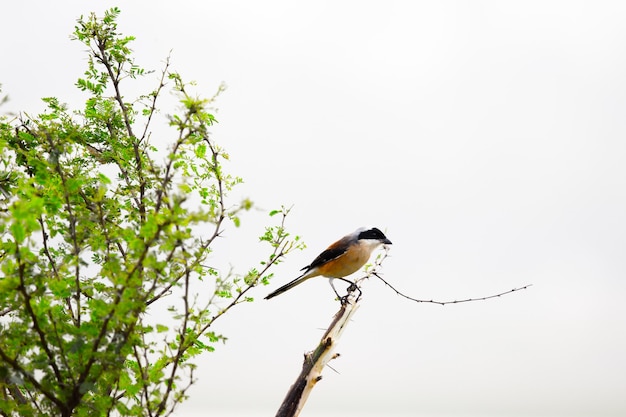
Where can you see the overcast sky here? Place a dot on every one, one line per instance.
(486, 138)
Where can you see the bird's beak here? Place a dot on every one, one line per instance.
(386, 242)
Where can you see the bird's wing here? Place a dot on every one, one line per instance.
(334, 251)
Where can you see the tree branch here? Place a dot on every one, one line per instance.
(29, 308)
(155, 96)
(72, 229)
(467, 300)
(102, 56)
(46, 250)
(18, 368)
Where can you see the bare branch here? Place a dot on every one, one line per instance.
(467, 300)
(315, 361)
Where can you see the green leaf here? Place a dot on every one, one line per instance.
(200, 150)
(18, 232)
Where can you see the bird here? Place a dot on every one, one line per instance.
(342, 258)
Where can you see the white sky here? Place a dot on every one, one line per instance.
(487, 138)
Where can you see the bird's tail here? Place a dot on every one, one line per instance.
(288, 286)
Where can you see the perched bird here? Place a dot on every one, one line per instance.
(342, 258)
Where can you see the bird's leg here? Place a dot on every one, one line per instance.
(353, 287)
(334, 289)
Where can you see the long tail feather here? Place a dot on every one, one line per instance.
(288, 286)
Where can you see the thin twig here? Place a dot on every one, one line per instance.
(454, 301)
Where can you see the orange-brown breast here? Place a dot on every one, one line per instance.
(346, 264)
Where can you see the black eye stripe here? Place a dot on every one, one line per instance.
(373, 233)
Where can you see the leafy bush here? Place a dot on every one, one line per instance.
(96, 231)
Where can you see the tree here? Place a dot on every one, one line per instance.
(96, 232)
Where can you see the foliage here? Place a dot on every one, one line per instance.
(98, 229)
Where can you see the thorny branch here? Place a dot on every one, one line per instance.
(467, 300)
